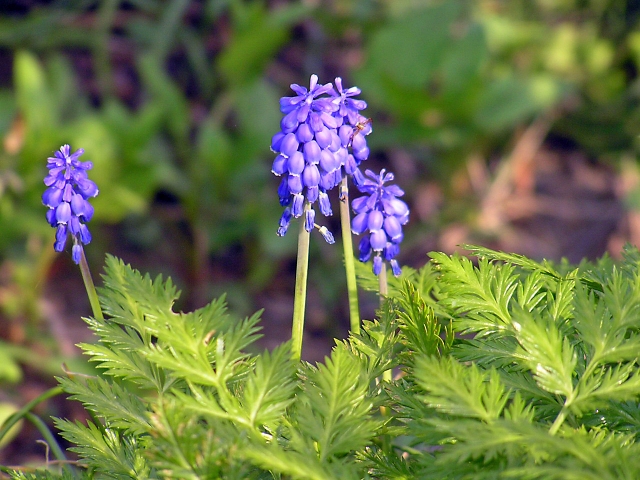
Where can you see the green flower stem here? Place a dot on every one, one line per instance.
(349, 264)
(387, 375)
(300, 296)
(15, 418)
(91, 289)
(382, 282)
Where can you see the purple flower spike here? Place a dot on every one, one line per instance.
(305, 157)
(322, 139)
(380, 216)
(67, 198)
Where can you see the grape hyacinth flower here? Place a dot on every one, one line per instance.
(67, 199)
(382, 214)
(306, 145)
(312, 147)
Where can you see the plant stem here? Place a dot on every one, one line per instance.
(383, 288)
(91, 289)
(382, 282)
(558, 422)
(300, 296)
(15, 418)
(349, 264)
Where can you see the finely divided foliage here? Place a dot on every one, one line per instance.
(550, 357)
(179, 395)
(507, 368)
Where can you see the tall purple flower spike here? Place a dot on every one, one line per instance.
(312, 148)
(69, 189)
(381, 214)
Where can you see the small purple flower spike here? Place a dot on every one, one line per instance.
(381, 214)
(69, 189)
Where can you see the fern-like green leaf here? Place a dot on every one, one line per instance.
(186, 448)
(605, 340)
(106, 451)
(419, 326)
(269, 388)
(620, 416)
(455, 389)
(334, 409)
(119, 354)
(424, 280)
(120, 408)
(389, 465)
(137, 309)
(548, 354)
(521, 261)
(129, 298)
(479, 297)
(622, 296)
(378, 344)
(531, 291)
(296, 465)
(207, 361)
(50, 475)
(618, 383)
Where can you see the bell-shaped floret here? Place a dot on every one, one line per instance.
(364, 249)
(298, 205)
(359, 223)
(309, 219)
(377, 265)
(296, 163)
(285, 221)
(325, 204)
(378, 240)
(393, 228)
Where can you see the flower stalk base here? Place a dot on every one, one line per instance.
(349, 264)
(300, 296)
(90, 287)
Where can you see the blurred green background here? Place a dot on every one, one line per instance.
(513, 124)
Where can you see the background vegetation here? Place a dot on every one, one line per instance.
(512, 124)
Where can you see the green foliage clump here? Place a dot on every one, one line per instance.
(541, 381)
(181, 397)
(507, 368)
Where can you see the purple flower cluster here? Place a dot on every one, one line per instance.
(67, 199)
(382, 214)
(319, 126)
(323, 139)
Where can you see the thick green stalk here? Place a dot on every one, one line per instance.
(300, 296)
(382, 282)
(349, 264)
(91, 289)
(384, 292)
